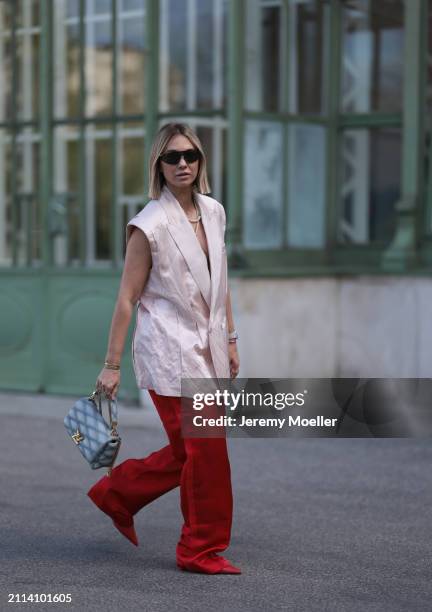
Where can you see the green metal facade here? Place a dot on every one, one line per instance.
(55, 318)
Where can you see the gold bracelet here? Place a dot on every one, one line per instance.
(112, 366)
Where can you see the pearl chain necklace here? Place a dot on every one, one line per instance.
(198, 218)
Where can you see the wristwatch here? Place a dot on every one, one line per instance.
(233, 336)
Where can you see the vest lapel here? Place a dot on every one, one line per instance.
(184, 236)
(210, 223)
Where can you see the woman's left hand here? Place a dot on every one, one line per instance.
(234, 360)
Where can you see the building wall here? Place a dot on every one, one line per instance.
(365, 326)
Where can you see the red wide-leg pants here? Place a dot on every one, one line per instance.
(201, 467)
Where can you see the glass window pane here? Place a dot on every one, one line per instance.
(101, 6)
(192, 54)
(67, 83)
(27, 168)
(5, 63)
(20, 215)
(271, 81)
(27, 73)
(132, 159)
(35, 4)
(102, 193)
(176, 48)
(132, 5)
(429, 62)
(205, 53)
(6, 230)
(306, 197)
(97, 232)
(19, 14)
(5, 16)
(263, 56)
(131, 64)
(370, 184)
(372, 55)
(66, 188)
(309, 23)
(27, 12)
(262, 209)
(211, 51)
(224, 99)
(99, 63)
(71, 6)
(428, 122)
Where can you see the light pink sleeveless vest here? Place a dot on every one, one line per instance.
(181, 326)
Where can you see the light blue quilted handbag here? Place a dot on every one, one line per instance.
(98, 441)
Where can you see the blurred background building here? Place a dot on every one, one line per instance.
(316, 119)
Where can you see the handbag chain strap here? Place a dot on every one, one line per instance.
(113, 421)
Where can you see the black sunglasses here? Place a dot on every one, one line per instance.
(173, 157)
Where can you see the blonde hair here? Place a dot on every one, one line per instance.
(156, 177)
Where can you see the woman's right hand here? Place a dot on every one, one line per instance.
(108, 382)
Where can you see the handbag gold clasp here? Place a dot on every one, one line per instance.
(77, 437)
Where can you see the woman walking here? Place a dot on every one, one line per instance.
(176, 272)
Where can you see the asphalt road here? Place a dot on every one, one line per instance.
(319, 524)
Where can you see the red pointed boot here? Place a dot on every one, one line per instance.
(104, 497)
(210, 564)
